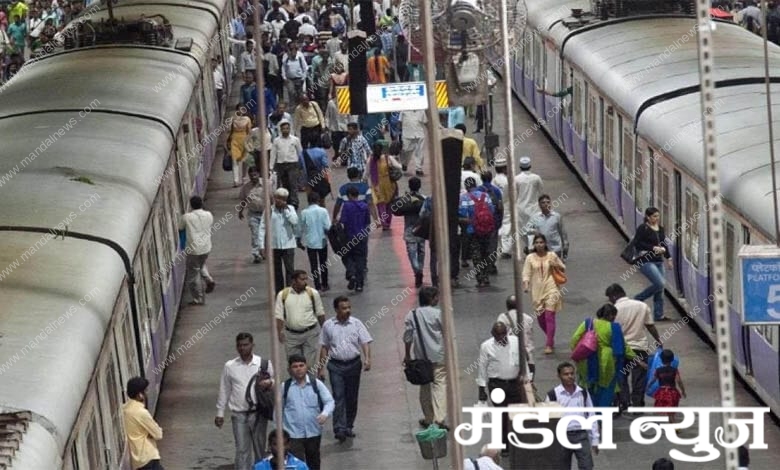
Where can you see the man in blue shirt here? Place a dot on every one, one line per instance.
(468, 217)
(315, 223)
(306, 409)
(364, 193)
(357, 220)
(316, 165)
(291, 462)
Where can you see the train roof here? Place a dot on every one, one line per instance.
(104, 189)
(638, 59)
(742, 143)
(121, 79)
(546, 17)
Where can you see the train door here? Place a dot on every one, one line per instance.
(740, 334)
(109, 392)
(676, 215)
(599, 166)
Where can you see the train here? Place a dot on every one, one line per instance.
(104, 143)
(629, 122)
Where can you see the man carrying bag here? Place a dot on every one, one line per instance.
(423, 332)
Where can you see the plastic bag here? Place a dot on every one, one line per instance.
(432, 433)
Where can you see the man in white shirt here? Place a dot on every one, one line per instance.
(468, 172)
(509, 318)
(413, 125)
(197, 224)
(219, 81)
(249, 427)
(570, 395)
(286, 155)
(499, 367)
(634, 317)
(294, 72)
(489, 459)
(284, 229)
(528, 188)
(248, 63)
(502, 182)
(306, 29)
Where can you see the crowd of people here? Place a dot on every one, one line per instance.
(305, 60)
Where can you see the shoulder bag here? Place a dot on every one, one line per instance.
(588, 343)
(558, 275)
(419, 371)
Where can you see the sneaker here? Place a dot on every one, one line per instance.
(256, 259)
(341, 438)
(419, 173)
(210, 284)
(351, 284)
(351, 433)
(359, 288)
(197, 302)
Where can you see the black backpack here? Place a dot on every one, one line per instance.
(314, 385)
(265, 397)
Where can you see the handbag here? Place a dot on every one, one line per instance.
(588, 343)
(227, 162)
(394, 172)
(558, 275)
(419, 371)
(630, 253)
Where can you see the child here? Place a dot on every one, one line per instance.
(669, 381)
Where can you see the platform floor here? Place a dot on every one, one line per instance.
(389, 407)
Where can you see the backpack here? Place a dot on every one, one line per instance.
(286, 293)
(337, 236)
(265, 397)
(553, 397)
(313, 381)
(484, 222)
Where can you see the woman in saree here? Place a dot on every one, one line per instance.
(599, 372)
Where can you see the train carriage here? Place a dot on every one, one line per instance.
(632, 130)
(103, 147)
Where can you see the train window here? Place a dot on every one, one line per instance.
(566, 101)
(125, 335)
(593, 122)
(153, 290)
(692, 219)
(628, 177)
(730, 261)
(112, 412)
(185, 181)
(143, 312)
(745, 235)
(666, 215)
(609, 141)
(769, 333)
(90, 441)
(638, 176)
(173, 209)
(527, 56)
(537, 60)
(163, 241)
(577, 111)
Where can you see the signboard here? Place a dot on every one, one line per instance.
(391, 97)
(760, 279)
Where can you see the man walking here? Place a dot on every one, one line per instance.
(343, 339)
(504, 232)
(570, 395)
(284, 223)
(287, 160)
(550, 224)
(197, 224)
(364, 193)
(477, 214)
(515, 328)
(141, 429)
(249, 427)
(413, 132)
(302, 420)
(253, 200)
(299, 314)
(499, 367)
(634, 317)
(425, 322)
(528, 188)
(356, 218)
(354, 149)
(315, 223)
(291, 462)
(415, 246)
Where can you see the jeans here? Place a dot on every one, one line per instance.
(286, 259)
(584, 457)
(294, 88)
(318, 262)
(416, 252)
(355, 261)
(249, 432)
(308, 450)
(311, 135)
(636, 395)
(654, 271)
(152, 465)
(345, 382)
(258, 236)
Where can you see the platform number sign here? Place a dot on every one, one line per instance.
(760, 273)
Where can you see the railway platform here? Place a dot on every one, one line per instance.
(389, 408)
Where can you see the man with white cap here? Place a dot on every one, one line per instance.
(502, 183)
(284, 227)
(528, 187)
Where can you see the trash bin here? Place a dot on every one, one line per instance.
(432, 442)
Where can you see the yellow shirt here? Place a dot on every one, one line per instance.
(142, 432)
(471, 149)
